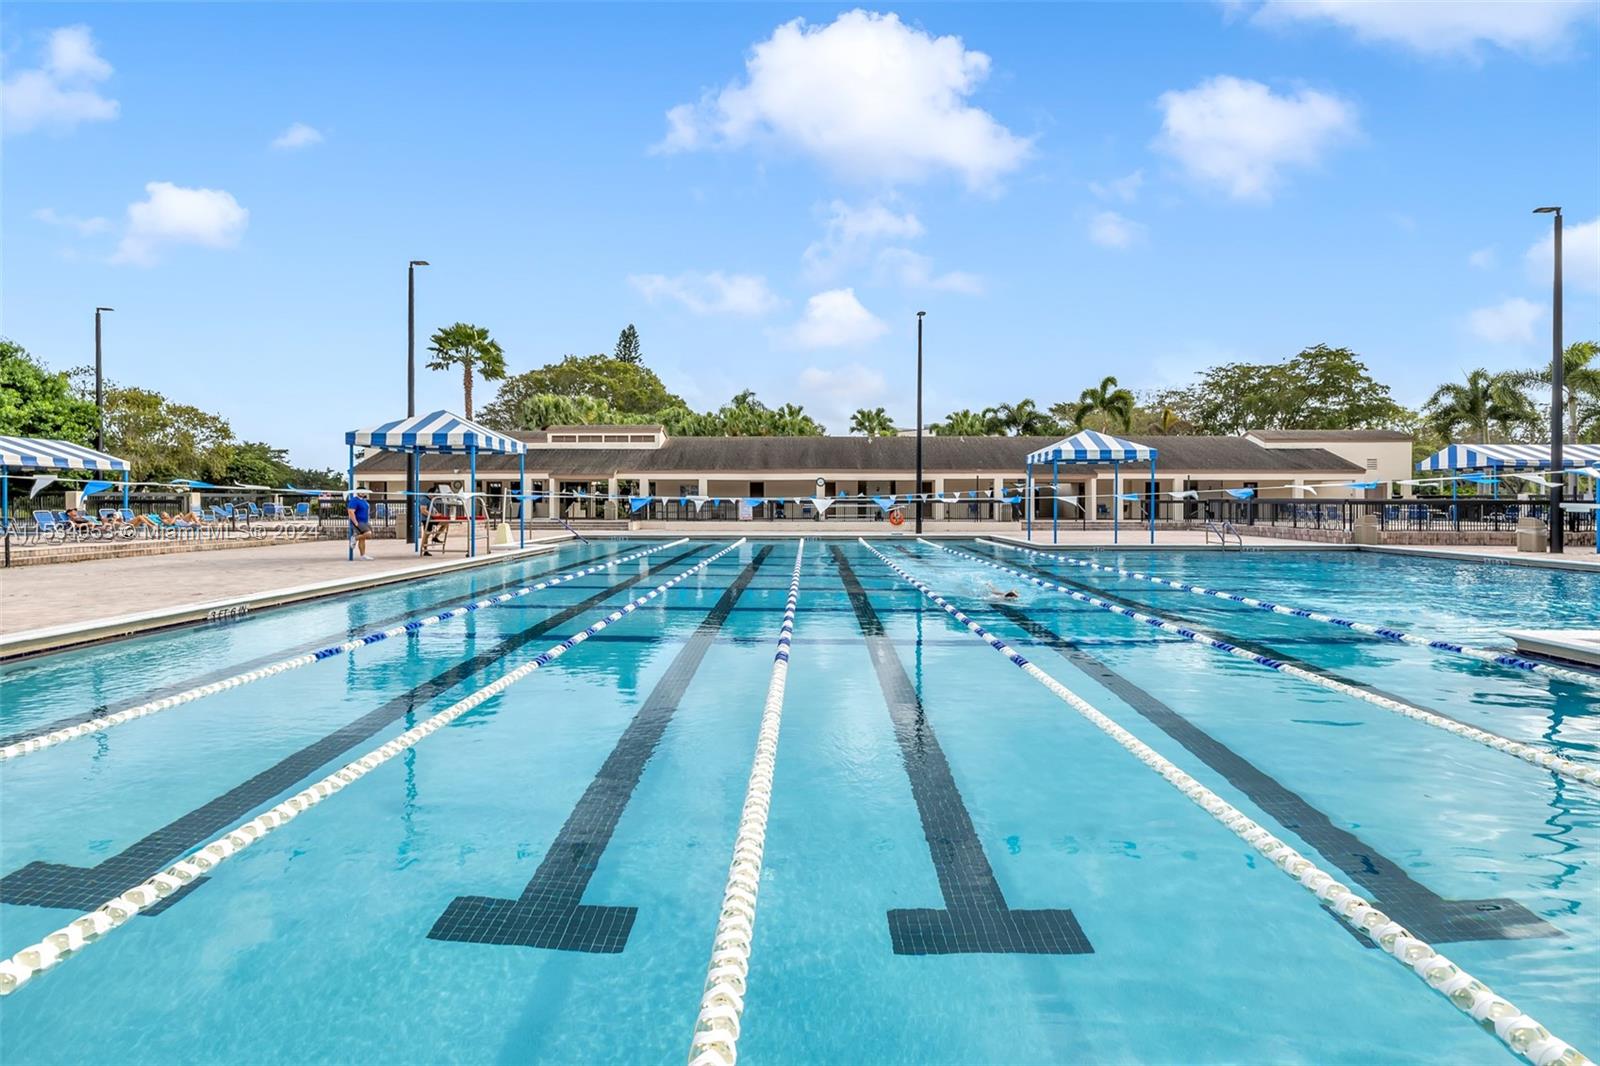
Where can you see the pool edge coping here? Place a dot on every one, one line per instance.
(30, 642)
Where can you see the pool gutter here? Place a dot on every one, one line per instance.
(56, 638)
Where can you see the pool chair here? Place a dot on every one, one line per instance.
(302, 510)
(48, 526)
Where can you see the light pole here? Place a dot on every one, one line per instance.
(919, 422)
(1557, 388)
(99, 386)
(411, 388)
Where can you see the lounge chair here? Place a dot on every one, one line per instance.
(49, 526)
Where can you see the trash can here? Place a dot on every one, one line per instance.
(1532, 535)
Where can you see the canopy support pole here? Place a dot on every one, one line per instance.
(1028, 503)
(1116, 503)
(1055, 500)
(350, 537)
(472, 502)
(522, 499)
(125, 490)
(1150, 501)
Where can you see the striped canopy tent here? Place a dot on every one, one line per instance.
(442, 433)
(1089, 446)
(1509, 457)
(33, 453)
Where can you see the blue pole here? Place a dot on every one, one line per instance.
(350, 535)
(1055, 499)
(1151, 501)
(472, 502)
(1028, 500)
(125, 490)
(414, 486)
(1116, 504)
(5, 496)
(522, 499)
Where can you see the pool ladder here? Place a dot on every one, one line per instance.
(1222, 529)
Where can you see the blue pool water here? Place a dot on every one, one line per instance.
(343, 936)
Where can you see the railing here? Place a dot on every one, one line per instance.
(1222, 529)
(1419, 515)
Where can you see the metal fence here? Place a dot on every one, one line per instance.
(1441, 514)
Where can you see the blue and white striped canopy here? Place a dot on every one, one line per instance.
(1508, 457)
(1091, 447)
(440, 432)
(31, 453)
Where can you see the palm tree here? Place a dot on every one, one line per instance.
(874, 423)
(1107, 398)
(966, 423)
(1024, 419)
(1482, 404)
(1580, 374)
(471, 348)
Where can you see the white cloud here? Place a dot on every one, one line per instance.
(1442, 27)
(60, 93)
(1111, 230)
(1580, 255)
(173, 214)
(1239, 135)
(834, 319)
(298, 135)
(85, 227)
(1125, 188)
(915, 271)
(1483, 258)
(868, 95)
(834, 394)
(850, 234)
(1508, 322)
(709, 293)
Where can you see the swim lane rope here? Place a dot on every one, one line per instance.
(716, 1030)
(1486, 655)
(95, 725)
(1519, 1032)
(1540, 757)
(69, 939)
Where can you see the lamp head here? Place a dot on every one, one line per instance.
(97, 310)
(1547, 210)
(921, 313)
(418, 263)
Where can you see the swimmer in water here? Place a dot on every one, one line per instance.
(1008, 594)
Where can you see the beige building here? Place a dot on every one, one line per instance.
(1384, 454)
(602, 461)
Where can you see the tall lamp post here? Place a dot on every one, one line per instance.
(99, 386)
(411, 389)
(1557, 388)
(919, 422)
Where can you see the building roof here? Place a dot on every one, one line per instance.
(1331, 435)
(996, 456)
(654, 427)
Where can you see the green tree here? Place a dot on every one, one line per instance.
(38, 402)
(1112, 403)
(628, 346)
(626, 388)
(965, 423)
(162, 439)
(1580, 373)
(874, 422)
(1320, 388)
(472, 349)
(1024, 419)
(258, 463)
(1484, 405)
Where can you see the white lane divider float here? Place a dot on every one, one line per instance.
(1485, 655)
(69, 939)
(716, 1031)
(1519, 1032)
(1529, 753)
(143, 710)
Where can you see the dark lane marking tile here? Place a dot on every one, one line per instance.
(1414, 905)
(315, 644)
(975, 918)
(551, 913)
(1241, 642)
(46, 884)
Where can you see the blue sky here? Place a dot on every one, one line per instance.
(1068, 190)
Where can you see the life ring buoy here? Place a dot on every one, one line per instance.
(896, 518)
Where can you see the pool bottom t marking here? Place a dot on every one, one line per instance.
(975, 918)
(551, 913)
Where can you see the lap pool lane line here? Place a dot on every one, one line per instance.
(299, 648)
(716, 1031)
(47, 884)
(1419, 908)
(550, 912)
(94, 725)
(1529, 753)
(89, 928)
(976, 918)
(1483, 655)
(1518, 1031)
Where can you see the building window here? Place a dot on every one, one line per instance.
(642, 438)
(563, 438)
(588, 437)
(620, 438)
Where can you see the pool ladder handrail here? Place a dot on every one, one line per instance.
(1222, 529)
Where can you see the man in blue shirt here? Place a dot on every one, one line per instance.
(360, 513)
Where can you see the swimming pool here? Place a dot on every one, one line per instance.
(957, 867)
